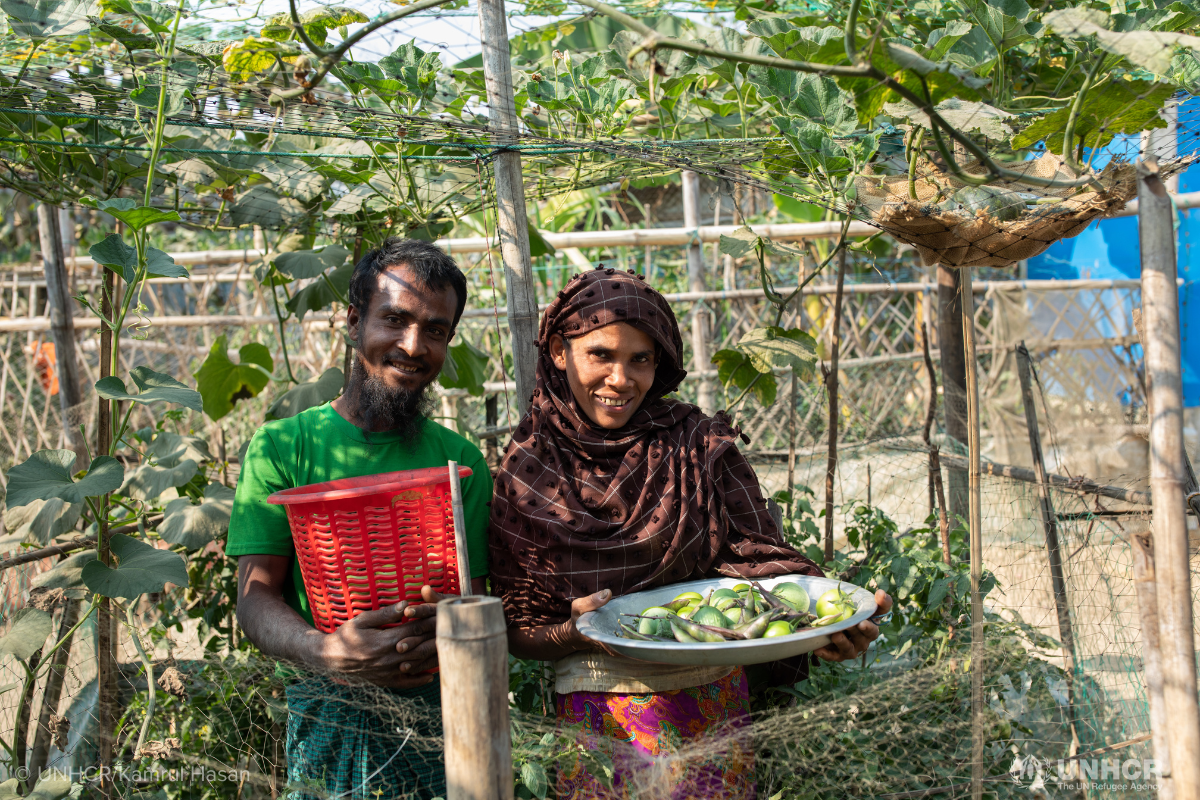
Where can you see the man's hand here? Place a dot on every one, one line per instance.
(364, 649)
(853, 642)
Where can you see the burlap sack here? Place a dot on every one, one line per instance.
(958, 238)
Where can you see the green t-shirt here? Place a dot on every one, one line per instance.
(318, 445)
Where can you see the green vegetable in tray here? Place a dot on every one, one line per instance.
(747, 611)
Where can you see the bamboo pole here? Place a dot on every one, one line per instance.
(473, 656)
(954, 381)
(460, 532)
(53, 692)
(975, 519)
(1050, 526)
(1160, 318)
(62, 327)
(512, 222)
(1147, 596)
(831, 387)
(697, 282)
(106, 665)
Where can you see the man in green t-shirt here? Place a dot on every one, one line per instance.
(364, 711)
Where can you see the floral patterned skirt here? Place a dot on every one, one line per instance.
(683, 744)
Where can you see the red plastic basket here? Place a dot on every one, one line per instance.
(364, 543)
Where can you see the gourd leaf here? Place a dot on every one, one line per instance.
(308, 395)
(136, 217)
(43, 520)
(774, 347)
(738, 244)
(300, 264)
(533, 775)
(112, 253)
(28, 633)
(317, 295)
(148, 481)
(1117, 106)
(154, 387)
(963, 115)
(262, 205)
(47, 474)
(194, 526)
(813, 98)
(40, 20)
(140, 569)
(222, 383)
(1150, 50)
(147, 97)
(465, 368)
(170, 449)
(415, 68)
(244, 59)
(316, 23)
(66, 574)
(735, 370)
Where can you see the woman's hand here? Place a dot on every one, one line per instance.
(552, 642)
(853, 642)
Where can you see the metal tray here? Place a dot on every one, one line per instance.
(602, 626)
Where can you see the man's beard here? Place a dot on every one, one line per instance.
(383, 408)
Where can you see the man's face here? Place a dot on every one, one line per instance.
(403, 336)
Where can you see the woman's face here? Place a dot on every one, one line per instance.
(610, 370)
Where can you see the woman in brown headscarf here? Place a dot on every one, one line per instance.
(608, 488)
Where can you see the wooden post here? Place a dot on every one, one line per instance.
(975, 520)
(831, 388)
(1142, 547)
(62, 329)
(1058, 580)
(1160, 319)
(954, 379)
(473, 656)
(791, 484)
(697, 282)
(511, 219)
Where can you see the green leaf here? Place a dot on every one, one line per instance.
(40, 20)
(316, 23)
(261, 205)
(112, 253)
(147, 97)
(194, 526)
(170, 449)
(66, 574)
(317, 295)
(149, 481)
(222, 383)
(307, 395)
(825, 45)
(1117, 106)
(776, 348)
(942, 39)
(47, 474)
(131, 40)
(1001, 21)
(415, 68)
(28, 633)
(43, 520)
(465, 368)
(812, 98)
(963, 115)
(300, 264)
(533, 775)
(161, 264)
(136, 217)
(1150, 50)
(538, 246)
(51, 785)
(937, 592)
(739, 244)
(141, 568)
(735, 370)
(154, 387)
(247, 58)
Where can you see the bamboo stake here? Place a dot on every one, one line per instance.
(937, 494)
(1147, 596)
(954, 366)
(1160, 317)
(511, 219)
(1050, 525)
(473, 656)
(62, 328)
(976, 532)
(460, 532)
(697, 282)
(791, 484)
(106, 667)
(831, 388)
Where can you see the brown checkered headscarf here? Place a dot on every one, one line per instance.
(665, 499)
